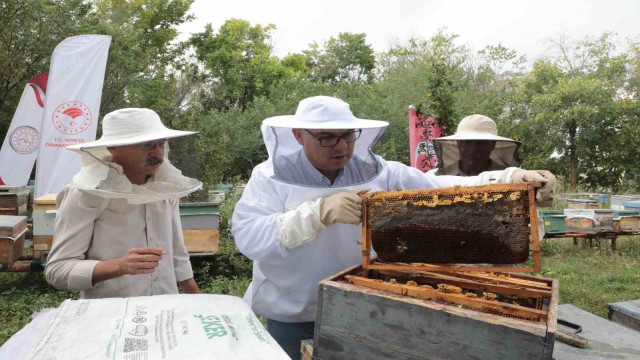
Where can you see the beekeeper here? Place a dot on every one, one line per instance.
(118, 231)
(476, 147)
(298, 216)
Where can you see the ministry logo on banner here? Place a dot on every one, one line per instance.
(72, 117)
(20, 147)
(24, 140)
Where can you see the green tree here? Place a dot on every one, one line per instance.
(572, 105)
(581, 113)
(345, 58)
(494, 78)
(31, 30)
(144, 51)
(297, 65)
(239, 63)
(431, 73)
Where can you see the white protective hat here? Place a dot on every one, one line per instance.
(323, 112)
(100, 176)
(131, 126)
(476, 127)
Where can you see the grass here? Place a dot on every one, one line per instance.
(22, 294)
(591, 278)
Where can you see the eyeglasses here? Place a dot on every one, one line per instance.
(151, 144)
(328, 141)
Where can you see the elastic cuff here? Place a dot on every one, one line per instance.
(508, 174)
(301, 225)
(81, 276)
(183, 270)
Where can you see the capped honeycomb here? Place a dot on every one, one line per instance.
(470, 225)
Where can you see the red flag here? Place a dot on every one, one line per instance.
(422, 129)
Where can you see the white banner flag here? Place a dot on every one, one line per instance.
(20, 146)
(71, 109)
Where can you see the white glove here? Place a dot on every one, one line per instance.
(343, 207)
(545, 194)
(301, 225)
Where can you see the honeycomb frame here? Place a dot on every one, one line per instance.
(400, 226)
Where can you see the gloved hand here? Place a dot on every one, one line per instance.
(343, 207)
(545, 194)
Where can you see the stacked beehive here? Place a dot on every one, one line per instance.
(200, 223)
(44, 221)
(12, 233)
(14, 200)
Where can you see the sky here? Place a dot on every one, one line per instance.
(523, 25)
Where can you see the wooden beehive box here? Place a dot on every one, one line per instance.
(45, 202)
(580, 225)
(14, 200)
(361, 322)
(439, 287)
(12, 233)
(200, 227)
(628, 220)
(44, 220)
(581, 204)
(626, 313)
(629, 223)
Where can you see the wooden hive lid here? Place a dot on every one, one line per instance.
(12, 189)
(12, 226)
(45, 202)
(46, 199)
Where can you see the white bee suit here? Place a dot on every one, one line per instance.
(284, 286)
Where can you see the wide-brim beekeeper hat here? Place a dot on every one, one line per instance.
(477, 127)
(323, 112)
(100, 176)
(320, 112)
(131, 126)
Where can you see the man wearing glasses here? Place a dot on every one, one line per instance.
(299, 215)
(118, 230)
(327, 158)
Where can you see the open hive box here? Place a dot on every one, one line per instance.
(439, 287)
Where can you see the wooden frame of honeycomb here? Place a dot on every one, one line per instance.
(508, 295)
(445, 197)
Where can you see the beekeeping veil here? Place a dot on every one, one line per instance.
(102, 177)
(477, 128)
(321, 112)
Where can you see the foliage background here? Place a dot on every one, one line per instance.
(576, 110)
